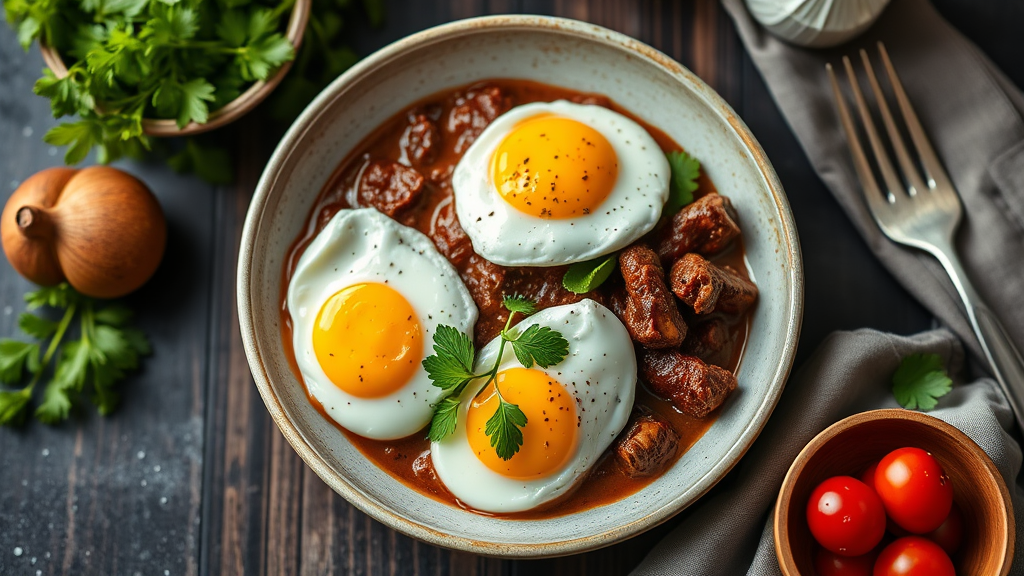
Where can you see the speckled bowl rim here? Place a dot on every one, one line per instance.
(581, 31)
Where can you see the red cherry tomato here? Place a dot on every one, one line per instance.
(868, 477)
(914, 489)
(951, 533)
(845, 516)
(832, 564)
(913, 556)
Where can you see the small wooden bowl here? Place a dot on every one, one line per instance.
(231, 111)
(849, 446)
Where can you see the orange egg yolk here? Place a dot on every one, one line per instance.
(551, 430)
(554, 167)
(368, 340)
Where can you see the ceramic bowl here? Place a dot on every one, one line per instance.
(227, 113)
(555, 51)
(849, 446)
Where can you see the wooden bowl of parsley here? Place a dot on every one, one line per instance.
(154, 68)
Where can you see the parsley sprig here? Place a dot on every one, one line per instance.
(451, 369)
(920, 381)
(106, 348)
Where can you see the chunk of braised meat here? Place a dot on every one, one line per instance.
(709, 288)
(645, 305)
(421, 141)
(389, 186)
(449, 237)
(485, 281)
(710, 341)
(705, 226)
(692, 386)
(473, 111)
(648, 444)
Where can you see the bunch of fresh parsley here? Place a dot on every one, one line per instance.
(451, 369)
(134, 59)
(106, 347)
(583, 277)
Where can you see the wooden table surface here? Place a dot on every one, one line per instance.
(190, 476)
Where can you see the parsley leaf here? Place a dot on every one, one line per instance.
(920, 381)
(80, 137)
(520, 304)
(685, 171)
(504, 429)
(540, 345)
(12, 406)
(446, 416)
(14, 357)
(35, 326)
(451, 369)
(582, 277)
(194, 95)
(452, 362)
(95, 362)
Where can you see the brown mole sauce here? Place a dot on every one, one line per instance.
(408, 459)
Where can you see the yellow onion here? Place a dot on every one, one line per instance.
(99, 228)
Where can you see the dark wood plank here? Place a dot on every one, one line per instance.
(116, 495)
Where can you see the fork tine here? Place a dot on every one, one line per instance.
(892, 182)
(929, 160)
(860, 160)
(907, 166)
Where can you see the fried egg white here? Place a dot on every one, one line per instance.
(553, 183)
(574, 411)
(365, 300)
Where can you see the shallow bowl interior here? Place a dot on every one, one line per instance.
(851, 445)
(555, 51)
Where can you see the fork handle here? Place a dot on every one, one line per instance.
(1002, 355)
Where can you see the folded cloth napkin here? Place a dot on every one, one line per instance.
(729, 532)
(973, 115)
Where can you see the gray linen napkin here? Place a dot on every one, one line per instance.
(973, 115)
(729, 532)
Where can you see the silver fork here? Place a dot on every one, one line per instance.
(922, 210)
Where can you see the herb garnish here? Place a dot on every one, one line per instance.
(920, 381)
(134, 59)
(106, 348)
(451, 369)
(582, 277)
(685, 171)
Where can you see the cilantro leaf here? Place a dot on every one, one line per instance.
(79, 136)
(35, 326)
(920, 381)
(504, 429)
(452, 362)
(520, 304)
(12, 406)
(446, 416)
(170, 24)
(540, 345)
(194, 96)
(685, 171)
(14, 357)
(582, 277)
(73, 365)
(58, 296)
(56, 404)
(114, 315)
(263, 56)
(67, 96)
